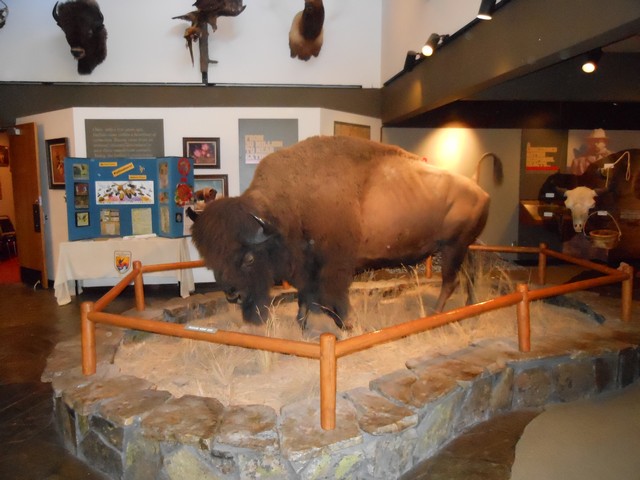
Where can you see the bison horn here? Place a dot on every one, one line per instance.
(55, 12)
(262, 235)
(192, 214)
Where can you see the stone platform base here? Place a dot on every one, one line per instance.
(128, 429)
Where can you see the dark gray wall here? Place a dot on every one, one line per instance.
(21, 99)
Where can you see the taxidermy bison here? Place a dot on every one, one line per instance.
(83, 25)
(327, 207)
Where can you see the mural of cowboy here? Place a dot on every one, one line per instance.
(595, 148)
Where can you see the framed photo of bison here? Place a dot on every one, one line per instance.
(204, 151)
(209, 187)
(56, 152)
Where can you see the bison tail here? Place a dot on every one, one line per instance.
(498, 172)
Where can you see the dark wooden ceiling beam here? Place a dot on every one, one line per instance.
(523, 37)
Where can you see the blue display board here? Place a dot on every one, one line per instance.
(117, 197)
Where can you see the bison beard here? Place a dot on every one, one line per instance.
(327, 207)
(83, 25)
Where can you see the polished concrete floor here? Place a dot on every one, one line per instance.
(31, 324)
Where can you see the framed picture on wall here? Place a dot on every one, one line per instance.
(204, 151)
(4, 156)
(352, 130)
(82, 219)
(210, 187)
(56, 151)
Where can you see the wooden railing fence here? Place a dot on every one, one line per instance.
(329, 349)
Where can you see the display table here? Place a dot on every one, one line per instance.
(97, 259)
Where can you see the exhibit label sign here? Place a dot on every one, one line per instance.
(125, 138)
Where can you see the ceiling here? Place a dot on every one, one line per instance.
(506, 73)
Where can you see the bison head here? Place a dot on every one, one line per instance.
(244, 252)
(83, 25)
(580, 200)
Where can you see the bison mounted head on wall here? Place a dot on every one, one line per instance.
(83, 25)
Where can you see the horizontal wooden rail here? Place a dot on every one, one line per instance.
(396, 332)
(225, 337)
(163, 267)
(117, 289)
(598, 267)
(505, 249)
(576, 286)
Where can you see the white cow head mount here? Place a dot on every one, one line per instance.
(580, 200)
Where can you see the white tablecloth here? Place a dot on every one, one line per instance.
(95, 259)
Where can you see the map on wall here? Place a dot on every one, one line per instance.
(258, 138)
(126, 138)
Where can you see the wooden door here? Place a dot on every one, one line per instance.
(29, 224)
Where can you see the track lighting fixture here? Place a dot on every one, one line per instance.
(486, 9)
(411, 60)
(591, 62)
(432, 43)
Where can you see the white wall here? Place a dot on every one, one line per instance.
(407, 24)
(459, 150)
(365, 42)
(146, 45)
(178, 123)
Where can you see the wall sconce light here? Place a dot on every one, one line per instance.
(591, 63)
(432, 43)
(486, 9)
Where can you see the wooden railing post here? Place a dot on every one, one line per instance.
(328, 382)
(88, 335)
(138, 285)
(524, 319)
(428, 266)
(542, 265)
(626, 299)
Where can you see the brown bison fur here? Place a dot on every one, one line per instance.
(327, 207)
(306, 34)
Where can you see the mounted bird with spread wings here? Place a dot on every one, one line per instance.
(206, 14)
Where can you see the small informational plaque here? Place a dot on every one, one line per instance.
(127, 138)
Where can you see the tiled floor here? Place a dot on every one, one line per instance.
(31, 324)
(30, 448)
